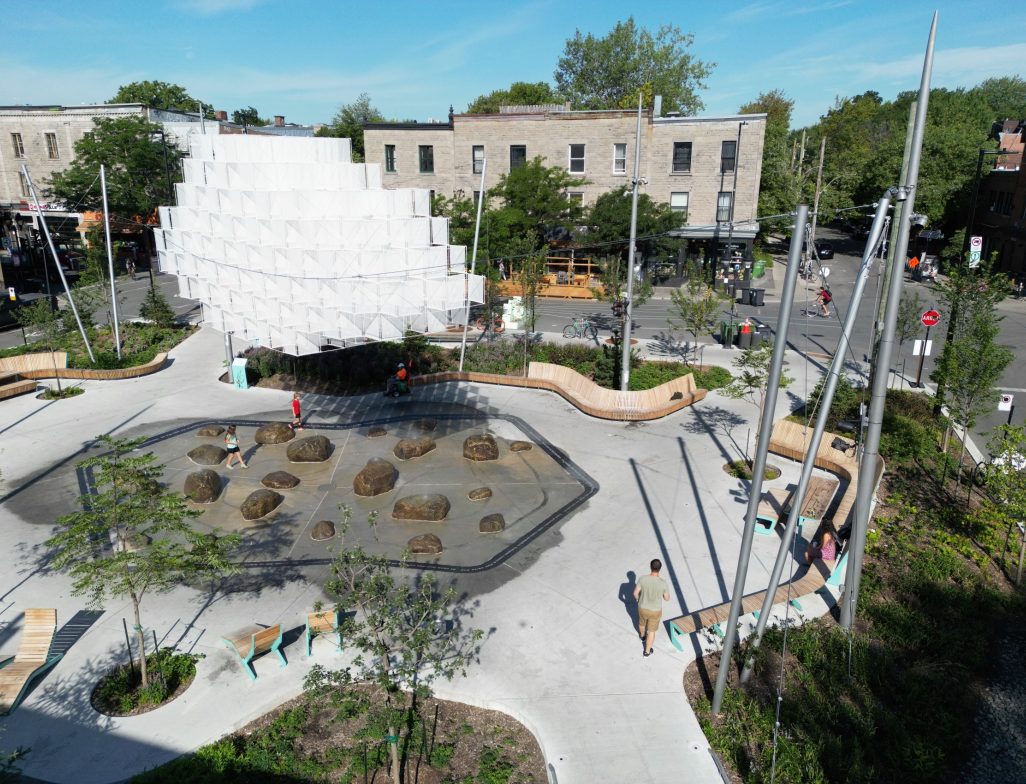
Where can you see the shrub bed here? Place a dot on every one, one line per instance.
(121, 693)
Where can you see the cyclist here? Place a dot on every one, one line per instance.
(824, 298)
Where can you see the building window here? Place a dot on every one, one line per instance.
(724, 206)
(24, 184)
(517, 155)
(728, 156)
(576, 197)
(577, 159)
(619, 159)
(51, 146)
(477, 198)
(679, 204)
(427, 158)
(390, 158)
(19, 145)
(681, 157)
(477, 157)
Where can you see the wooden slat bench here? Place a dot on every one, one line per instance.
(31, 661)
(40, 364)
(318, 623)
(774, 505)
(251, 641)
(12, 384)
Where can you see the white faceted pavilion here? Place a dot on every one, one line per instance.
(289, 244)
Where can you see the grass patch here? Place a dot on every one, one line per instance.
(742, 469)
(65, 392)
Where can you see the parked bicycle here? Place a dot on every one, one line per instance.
(580, 328)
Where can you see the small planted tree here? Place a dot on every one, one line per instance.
(697, 304)
(752, 368)
(157, 309)
(1004, 504)
(40, 317)
(132, 536)
(409, 632)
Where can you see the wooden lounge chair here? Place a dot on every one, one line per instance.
(252, 641)
(32, 660)
(322, 623)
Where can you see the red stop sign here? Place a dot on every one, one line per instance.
(930, 318)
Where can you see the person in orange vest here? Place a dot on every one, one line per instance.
(399, 383)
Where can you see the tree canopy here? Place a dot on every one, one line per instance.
(248, 116)
(610, 72)
(518, 94)
(609, 220)
(159, 95)
(348, 123)
(780, 188)
(536, 202)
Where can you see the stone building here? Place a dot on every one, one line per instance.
(706, 168)
(1000, 216)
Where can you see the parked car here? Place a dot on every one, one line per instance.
(824, 250)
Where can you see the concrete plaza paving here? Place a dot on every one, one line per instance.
(561, 653)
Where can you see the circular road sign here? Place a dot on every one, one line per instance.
(930, 318)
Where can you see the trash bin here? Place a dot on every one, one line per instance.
(727, 330)
(756, 339)
(755, 297)
(744, 340)
(758, 268)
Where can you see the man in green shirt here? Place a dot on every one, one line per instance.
(650, 593)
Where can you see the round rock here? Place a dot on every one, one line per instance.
(480, 493)
(208, 454)
(480, 448)
(280, 480)
(520, 446)
(377, 477)
(377, 432)
(492, 524)
(260, 503)
(425, 544)
(312, 449)
(429, 508)
(274, 433)
(322, 530)
(408, 448)
(203, 487)
(210, 431)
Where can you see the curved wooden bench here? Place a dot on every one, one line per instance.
(40, 364)
(31, 661)
(585, 394)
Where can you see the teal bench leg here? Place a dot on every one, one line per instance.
(717, 630)
(837, 575)
(675, 638)
(247, 665)
(276, 647)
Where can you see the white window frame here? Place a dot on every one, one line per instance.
(681, 209)
(581, 159)
(729, 195)
(620, 163)
(477, 163)
(52, 153)
(19, 144)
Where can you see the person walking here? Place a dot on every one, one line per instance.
(231, 443)
(650, 593)
(297, 418)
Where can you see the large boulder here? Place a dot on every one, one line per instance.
(408, 448)
(280, 480)
(322, 530)
(425, 544)
(492, 524)
(203, 487)
(210, 431)
(428, 508)
(261, 503)
(377, 477)
(480, 494)
(312, 449)
(208, 455)
(274, 433)
(481, 447)
(520, 446)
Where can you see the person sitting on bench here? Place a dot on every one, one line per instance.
(399, 383)
(825, 549)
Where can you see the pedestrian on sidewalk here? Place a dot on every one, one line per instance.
(297, 419)
(231, 443)
(650, 594)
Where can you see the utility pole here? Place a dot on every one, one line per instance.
(473, 263)
(877, 401)
(892, 241)
(625, 364)
(57, 261)
(110, 260)
(815, 202)
(733, 193)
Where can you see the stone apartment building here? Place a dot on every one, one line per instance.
(708, 169)
(1001, 204)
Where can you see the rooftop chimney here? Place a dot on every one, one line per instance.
(221, 115)
(279, 120)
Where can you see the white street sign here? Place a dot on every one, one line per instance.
(1005, 404)
(976, 243)
(12, 294)
(917, 348)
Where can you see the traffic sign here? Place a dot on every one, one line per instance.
(12, 295)
(976, 243)
(1006, 403)
(930, 318)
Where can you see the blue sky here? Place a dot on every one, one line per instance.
(303, 58)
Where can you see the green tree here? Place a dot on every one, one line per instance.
(132, 535)
(697, 306)
(518, 94)
(40, 317)
(462, 214)
(408, 632)
(610, 72)
(614, 283)
(910, 314)
(136, 176)
(609, 221)
(157, 309)
(1004, 503)
(159, 95)
(348, 123)
(752, 368)
(248, 116)
(535, 201)
(780, 188)
(1005, 96)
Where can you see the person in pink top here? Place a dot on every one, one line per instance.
(826, 549)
